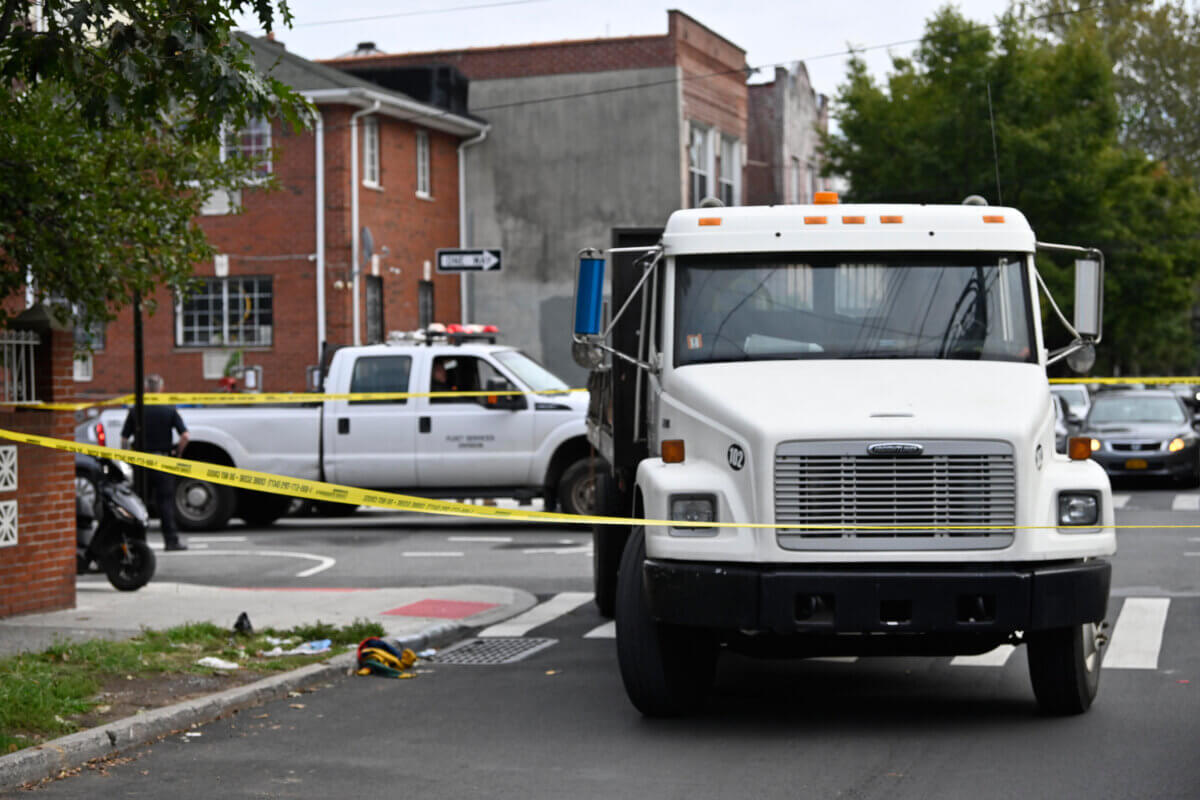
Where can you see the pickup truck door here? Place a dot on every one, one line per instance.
(372, 443)
(467, 441)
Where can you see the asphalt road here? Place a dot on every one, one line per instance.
(557, 724)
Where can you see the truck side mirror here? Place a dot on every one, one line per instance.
(589, 294)
(504, 402)
(1089, 297)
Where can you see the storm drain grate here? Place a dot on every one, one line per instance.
(500, 650)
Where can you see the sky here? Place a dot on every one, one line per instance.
(816, 32)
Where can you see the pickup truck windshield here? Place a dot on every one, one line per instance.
(852, 306)
(529, 372)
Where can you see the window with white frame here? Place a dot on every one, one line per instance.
(370, 143)
(730, 172)
(226, 312)
(700, 165)
(87, 340)
(253, 143)
(423, 182)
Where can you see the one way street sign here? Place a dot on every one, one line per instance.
(468, 260)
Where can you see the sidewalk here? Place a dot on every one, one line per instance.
(431, 616)
(406, 614)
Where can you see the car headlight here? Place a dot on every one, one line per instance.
(691, 508)
(1178, 443)
(1095, 445)
(1078, 508)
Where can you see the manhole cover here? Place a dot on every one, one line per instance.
(499, 650)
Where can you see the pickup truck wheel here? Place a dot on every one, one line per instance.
(577, 486)
(667, 669)
(261, 508)
(1064, 667)
(326, 508)
(202, 506)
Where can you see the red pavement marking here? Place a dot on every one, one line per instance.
(442, 609)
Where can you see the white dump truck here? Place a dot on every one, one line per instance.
(870, 380)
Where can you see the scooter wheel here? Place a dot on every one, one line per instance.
(130, 565)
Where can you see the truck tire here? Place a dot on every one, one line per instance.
(330, 509)
(1064, 667)
(577, 486)
(666, 669)
(203, 506)
(261, 508)
(608, 543)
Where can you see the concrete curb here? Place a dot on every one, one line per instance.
(67, 752)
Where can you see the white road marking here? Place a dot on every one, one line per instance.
(501, 539)
(558, 551)
(995, 657)
(325, 562)
(1186, 502)
(1137, 636)
(606, 631)
(206, 538)
(563, 603)
(191, 546)
(432, 554)
(836, 659)
(1120, 500)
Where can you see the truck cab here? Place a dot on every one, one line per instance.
(842, 442)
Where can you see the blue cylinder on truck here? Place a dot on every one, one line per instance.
(589, 296)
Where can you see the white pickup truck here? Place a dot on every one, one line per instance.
(523, 445)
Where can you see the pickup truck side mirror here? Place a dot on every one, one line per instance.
(503, 402)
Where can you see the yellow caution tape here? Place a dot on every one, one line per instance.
(275, 398)
(332, 492)
(235, 399)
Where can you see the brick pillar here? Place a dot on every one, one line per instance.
(37, 571)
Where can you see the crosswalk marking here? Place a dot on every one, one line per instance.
(1120, 500)
(1186, 502)
(996, 657)
(606, 631)
(563, 603)
(1137, 636)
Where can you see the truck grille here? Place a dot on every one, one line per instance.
(949, 483)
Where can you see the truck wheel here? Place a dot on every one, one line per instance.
(261, 508)
(202, 506)
(608, 543)
(330, 509)
(577, 486)
(1064, 666)
(667, 669)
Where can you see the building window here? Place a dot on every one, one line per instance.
(252, 143)
(423, 183)
(371, 151)
(795, 176)
(699, 165)
(226, 312)
(730, 172)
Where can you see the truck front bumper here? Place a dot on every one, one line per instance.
(984, 599)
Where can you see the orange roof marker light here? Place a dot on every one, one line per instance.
(814, 220)
(706, 221)
(825, 198)
(891, 220)
(672, 451)
(854, 220)
(993, 218)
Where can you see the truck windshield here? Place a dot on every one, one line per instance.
(530, 372)
(852, 306)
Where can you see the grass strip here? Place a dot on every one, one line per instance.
(43, 694)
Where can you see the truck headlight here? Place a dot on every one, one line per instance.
(690, 508)
(1078, 508)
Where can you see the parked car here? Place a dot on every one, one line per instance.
(503, 445)
(1062, 430)
(1075, 396)
(1148, 432)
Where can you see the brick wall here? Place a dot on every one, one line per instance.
(275, 235)
(38, 573)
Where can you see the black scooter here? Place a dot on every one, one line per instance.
(110, 524)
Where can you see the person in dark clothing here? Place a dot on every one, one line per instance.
(161, 423)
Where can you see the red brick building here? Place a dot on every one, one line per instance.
(593, 141)
(286, 279)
